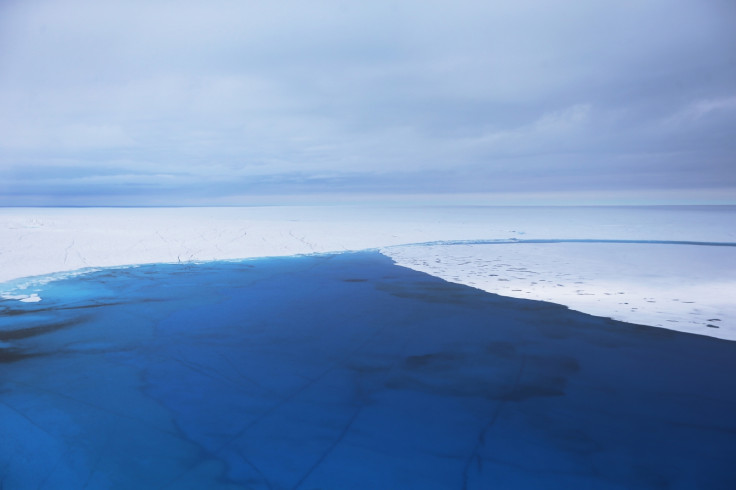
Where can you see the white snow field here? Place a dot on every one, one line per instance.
(689, 287)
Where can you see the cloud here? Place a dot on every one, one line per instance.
(699, 111)
(550, 132)
(72, 137)
(375, 95)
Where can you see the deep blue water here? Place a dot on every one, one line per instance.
(348, 372)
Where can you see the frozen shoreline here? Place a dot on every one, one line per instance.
(681, 287)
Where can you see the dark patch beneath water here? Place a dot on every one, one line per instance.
(12, 355)
(23, 333)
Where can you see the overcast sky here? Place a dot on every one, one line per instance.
(227, 102)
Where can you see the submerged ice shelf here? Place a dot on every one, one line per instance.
(347, 371)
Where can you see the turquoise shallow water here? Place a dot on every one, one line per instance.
(346, 371)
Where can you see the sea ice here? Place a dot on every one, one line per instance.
(689, 288)
(672, 293)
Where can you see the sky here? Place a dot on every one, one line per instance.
(239, 102)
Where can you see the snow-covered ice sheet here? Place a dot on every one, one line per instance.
(674, 286)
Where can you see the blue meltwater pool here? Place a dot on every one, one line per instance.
(348, 372)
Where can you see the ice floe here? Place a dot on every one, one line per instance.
(689, 288)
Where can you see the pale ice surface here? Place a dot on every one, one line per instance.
(682, 287)
(690, 288)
